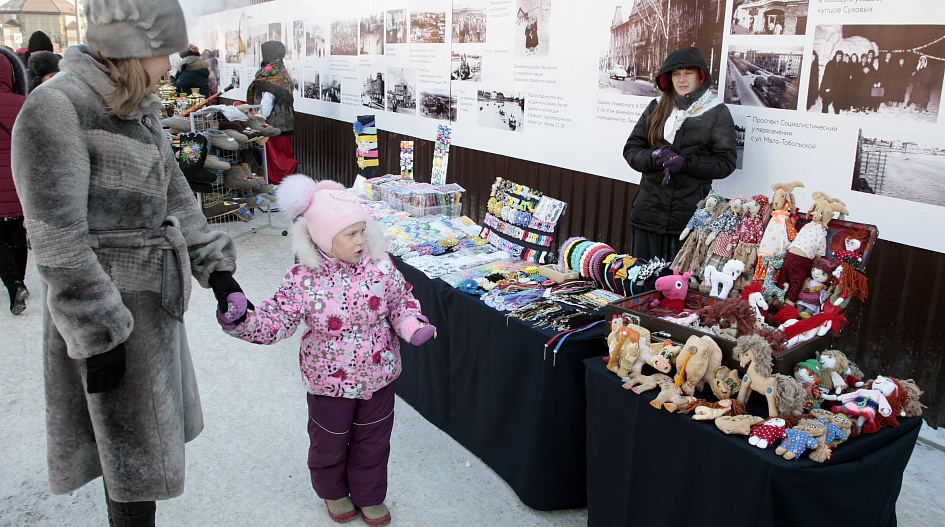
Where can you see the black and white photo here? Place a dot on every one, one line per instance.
(372, 34)
(769, 17)
(314, 41)
(402, 90)
(344, 36)
(502, 110)
(466, 67)
(898, 166)
(311, 89)
(532, 28)
(437, 104)
(372, 90)
(428, 27)
(331, 91)
(396, 26)
(469, 22)
(763, 76)
(882, 71)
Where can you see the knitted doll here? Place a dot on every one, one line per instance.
(780, 228)
(879, 405)
(748, 235)
(692, 252)
(849, 282)
(721, 238)
(808, 373)
(814, 291)
(765, 434)
(810, 241)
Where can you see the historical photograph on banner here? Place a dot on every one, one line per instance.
(372, 34)
(344, 36)
(372, 90)
(402, 90)
(311, 89)
(428, 27)
(532, 28)
(763, 76)
(503, 110)
(332, 91)
(469, 22)
(769, 17)
(437, 104)
(314, 41)
(644, 32)
(884, 71)
(396, 21)
(900, 165)
(466, 67)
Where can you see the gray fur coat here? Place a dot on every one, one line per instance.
(116, 235)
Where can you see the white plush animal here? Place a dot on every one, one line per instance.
(720, 282)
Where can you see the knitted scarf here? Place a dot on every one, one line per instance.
(273, 78)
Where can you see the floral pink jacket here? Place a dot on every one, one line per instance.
(349, 348)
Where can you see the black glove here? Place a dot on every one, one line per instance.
(105, 370)
(223, 283)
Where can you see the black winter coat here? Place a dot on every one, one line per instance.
(196, 75)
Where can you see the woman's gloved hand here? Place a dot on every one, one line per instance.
(105, 370)
(232, 304)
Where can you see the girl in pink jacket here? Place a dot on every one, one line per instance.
(354, 303)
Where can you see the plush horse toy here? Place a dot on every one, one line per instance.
(721, 282)
(784, 394)
(674, 288)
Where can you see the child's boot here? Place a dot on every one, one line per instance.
(341, 510)
(376, 515)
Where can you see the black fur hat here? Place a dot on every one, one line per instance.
(41, 64)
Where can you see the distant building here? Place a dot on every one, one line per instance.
(56, 18)
(786, 63)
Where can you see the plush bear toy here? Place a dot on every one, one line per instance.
(725, 383)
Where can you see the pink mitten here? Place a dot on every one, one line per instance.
(235, 311)
(417, 330)
(423, 334)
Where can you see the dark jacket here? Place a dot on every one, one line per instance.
(12, 91)
(706, 141)
(195, 74)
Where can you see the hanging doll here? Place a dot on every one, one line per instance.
(814, 291)
(780, 228)
(691, 254)
(880, 404)
(720, 241)
(748, 235)
(810, 241)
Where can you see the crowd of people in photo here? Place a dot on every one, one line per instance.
(864, 82)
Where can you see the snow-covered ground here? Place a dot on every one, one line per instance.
(248, 467)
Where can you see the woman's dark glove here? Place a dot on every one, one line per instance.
(670, 162)
(105, 370)
(223, 283)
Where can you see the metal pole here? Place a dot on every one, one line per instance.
(78, 21)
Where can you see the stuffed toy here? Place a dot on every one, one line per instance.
(670, 396)
(692, 253)
(809, 433)
(849, 281)
(658, 355)
(771, 289)
(703, 410)
(850, 243)
(814, 291)
(833, 367)
(764, 435)
(697, 362)
(721, 239)
(752, 294)
(674, 288)
(809, 242)
(784, 394)
(808, 373)
(725, 383)
(780, 229)
(748, 235)
(624, 344)
(639, 383)
(881, 404)
(833, 436)
(719, 283)
(737, 424)
(842, 423)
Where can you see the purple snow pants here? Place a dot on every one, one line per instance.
(350, 444)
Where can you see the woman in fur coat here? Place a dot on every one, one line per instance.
(194, 73)
(116, 234)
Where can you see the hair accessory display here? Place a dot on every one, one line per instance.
(406, 158)
(365, 133)
(441, 154)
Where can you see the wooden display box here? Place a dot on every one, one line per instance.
(632, 307)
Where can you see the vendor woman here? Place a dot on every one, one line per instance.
(683, 141)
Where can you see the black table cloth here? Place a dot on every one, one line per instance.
(488, 382)
(651, 467)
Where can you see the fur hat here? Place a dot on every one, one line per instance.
(39, 41)
(41, 63)
(272, 50)
(327, 208)
(121, 29)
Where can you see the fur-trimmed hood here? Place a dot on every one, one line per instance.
(18, 83)
(313, 258)
(194, 63)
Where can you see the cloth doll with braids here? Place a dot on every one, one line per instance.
(814, 291)
(721, 238)
(748, 235)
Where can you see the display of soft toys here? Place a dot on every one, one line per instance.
(721, 239)
(847, 428)
(748, 236)
(833, 365)
(696, 363)
(639, 383)
(849, 282)
(808, 434)
(737, 424)
(624, 344)
(670, 397)
(783, 393)
(809, 242)
(780, 229)
(725, 383)
(719, 283)
(880, 404)
(814, 291)
(765, 434)
(808, 373)
(692, 253)
(674, 288)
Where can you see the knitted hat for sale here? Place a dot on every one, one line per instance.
(121, 29)
(327, 208)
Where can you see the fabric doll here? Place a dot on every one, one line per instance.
(721, 238)
(808, 433)
(691, 254)
(848, 282)
(765, 434)
(808, 373)
(780, 229)
(879, 405)
(810, 241)
(850, 243)
(833, 366)
(814, 291)
(748, 235)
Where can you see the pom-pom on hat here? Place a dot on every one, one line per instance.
(327, 208)
(120, 29)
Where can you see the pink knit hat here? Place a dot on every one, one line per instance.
(327, 208)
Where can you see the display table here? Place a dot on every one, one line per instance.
(488, 382)
(651, 467)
